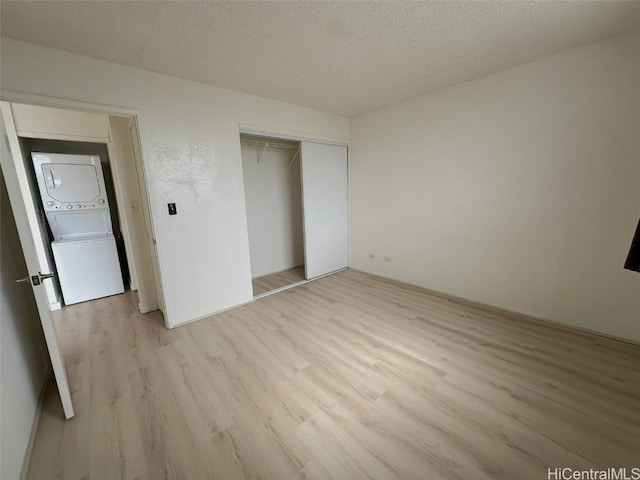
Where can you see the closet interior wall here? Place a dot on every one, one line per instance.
(273, 197)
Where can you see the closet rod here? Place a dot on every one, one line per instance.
(256, 143)
(294, 157)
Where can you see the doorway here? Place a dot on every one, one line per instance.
(273, 197)
(112, 230)
(23, 127)
(73, 245)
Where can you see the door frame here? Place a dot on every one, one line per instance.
(249, 129)
(143, 184)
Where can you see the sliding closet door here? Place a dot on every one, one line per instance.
(325, 201)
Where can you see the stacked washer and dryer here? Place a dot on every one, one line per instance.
(77, 209)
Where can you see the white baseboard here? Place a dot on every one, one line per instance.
(55, 306)
(209, 315)
(504, 311)
(257, 297)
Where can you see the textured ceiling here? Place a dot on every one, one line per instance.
(342, 57)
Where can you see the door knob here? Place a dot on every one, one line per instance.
(36, 279)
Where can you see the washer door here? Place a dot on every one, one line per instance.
(75, 225)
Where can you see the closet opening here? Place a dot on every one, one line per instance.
(88, 230)
(273, 198)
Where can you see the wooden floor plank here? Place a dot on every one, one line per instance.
(348, 376)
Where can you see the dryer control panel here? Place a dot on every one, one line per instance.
(53, 205)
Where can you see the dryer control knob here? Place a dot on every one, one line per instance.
(78, 206)
(50, 203)
(69, 206)
(101, 201)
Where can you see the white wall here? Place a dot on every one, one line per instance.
(519, 190)
(274, 209)
(191, 152)
(23, 355)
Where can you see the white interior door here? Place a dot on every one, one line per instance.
(20, 197)
(325, 201)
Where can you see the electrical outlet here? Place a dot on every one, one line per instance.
(387, 259)
(172, 208)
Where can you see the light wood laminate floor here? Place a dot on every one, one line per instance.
(277, 280)
(347, 377)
